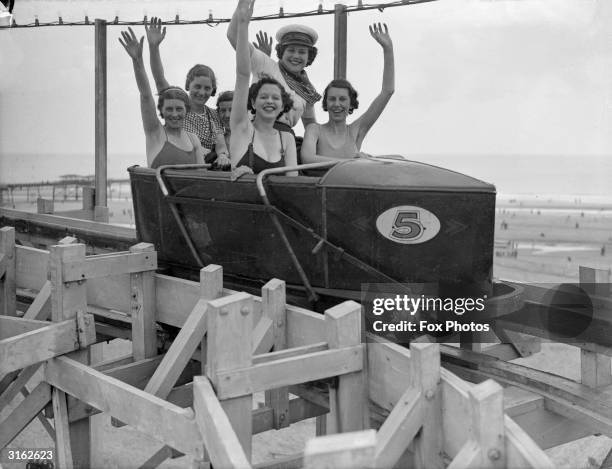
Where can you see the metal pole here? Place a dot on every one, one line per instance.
(101, 208)
(340, 41)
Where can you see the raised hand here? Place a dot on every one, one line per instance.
(155, 32)
(381, 36)
(131, 44)
(263, 43)
(245, 10)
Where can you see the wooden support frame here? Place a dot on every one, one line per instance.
(352, 450)
(230, 328)
(8, 304)
(142, 308)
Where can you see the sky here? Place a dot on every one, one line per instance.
(473, 77)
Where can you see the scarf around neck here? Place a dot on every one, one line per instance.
(300, 84)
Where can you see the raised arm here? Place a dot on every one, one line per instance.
(239, 116)
(232, 30)
(388, 86)
(155, 35)
(147, 105)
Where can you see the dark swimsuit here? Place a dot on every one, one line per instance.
(256, 162)
(171, 154)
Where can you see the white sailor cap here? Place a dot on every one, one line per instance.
(297, 34)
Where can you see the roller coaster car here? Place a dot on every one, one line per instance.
(364, 221)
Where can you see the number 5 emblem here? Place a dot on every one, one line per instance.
(407, 224)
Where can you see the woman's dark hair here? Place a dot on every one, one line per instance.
(224, 97)
(340, 83)
(172, 92)
(200, 70)
(312, 52)
(254, 91)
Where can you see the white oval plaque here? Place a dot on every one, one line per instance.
(408, 224)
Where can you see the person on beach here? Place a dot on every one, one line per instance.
(201, 84)
(168, 143)
(337, 140)
(257, 144)
(295, 50)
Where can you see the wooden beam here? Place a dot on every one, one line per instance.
(141, 258)
(399, 428)
(24, 413)
(425, 361)
(8, 305)
(221, 441)
(62, 432)
(469, 457)
(263, 336)
(151, 415)
(352, 450)
(288, 371)
(230, 328)
(211, 287)
(348, 404)
(487, 409)
(289, 353)
(180, 352)
(11, 326)
(340, 40)
(273, 301)
(41, 306)
(101, 207)
(521, 451)
(40, 416)
(16, 386)
(39, 345)
(142, 285)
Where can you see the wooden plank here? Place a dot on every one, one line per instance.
(67, 301)
(114, 293)
(180, 352)
(41, 418)
(304, 327)
(349, 404)
(469, 457)
(288, 371)
(487, 409)
(141, 258)
(340, 40)
(352, 450)
(32, 267)
(263, 336)
(293, 461)
(62, 433)
(290, 352)
(455, 412)
(142, 285)
(398, 430)
(100, 117)
(151, 415)
(521, 451)
(425, 361)
(41, 306)
(388, 371)
(24, 413)
(211, 287)
(15, 387)
(8, 305)
(11, 326)
(72, 225)
(157, 458)
(221, 441)
(38, 345)
(274, 298)
(230, 327)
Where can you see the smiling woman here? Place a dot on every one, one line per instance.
(168, 143)
(257, 145)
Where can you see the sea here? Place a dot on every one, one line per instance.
(541, 175)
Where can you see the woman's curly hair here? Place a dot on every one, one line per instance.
(254, 91)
